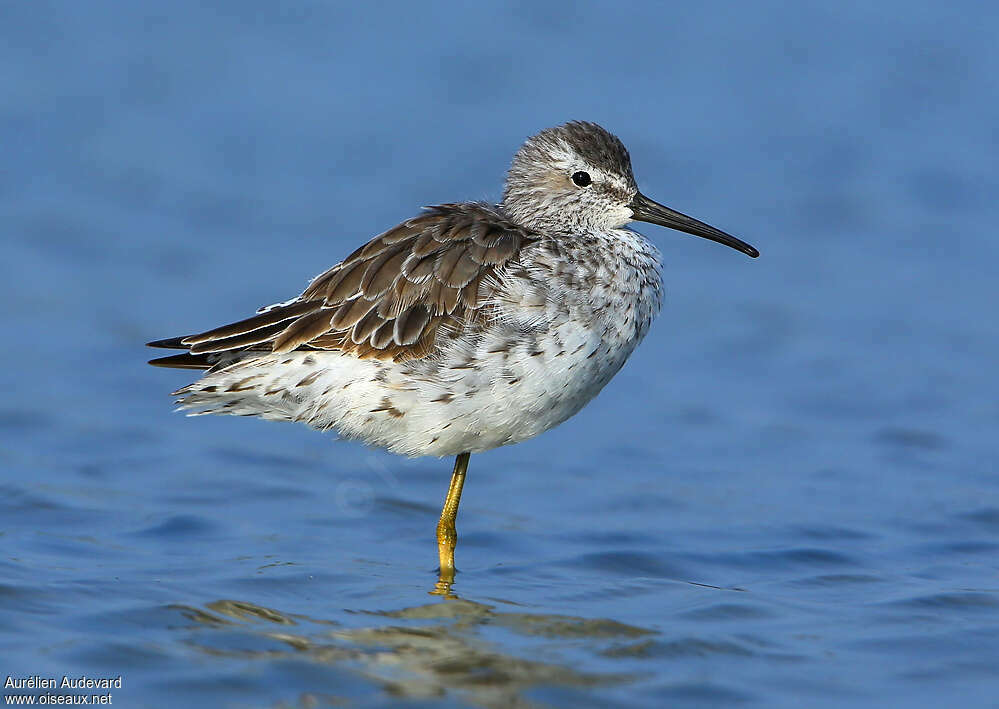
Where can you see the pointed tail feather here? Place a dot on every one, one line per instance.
(186, 361)
(171, 343)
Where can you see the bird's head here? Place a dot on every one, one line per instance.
(577, 177)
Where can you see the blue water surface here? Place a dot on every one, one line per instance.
(789, 497)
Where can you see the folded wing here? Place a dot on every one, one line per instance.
(387, 300)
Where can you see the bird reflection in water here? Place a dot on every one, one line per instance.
(418, 652)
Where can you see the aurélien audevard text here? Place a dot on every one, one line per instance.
(64, 682)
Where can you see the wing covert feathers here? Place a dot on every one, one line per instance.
(388, 299)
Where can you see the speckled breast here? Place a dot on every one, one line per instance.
(569, 314)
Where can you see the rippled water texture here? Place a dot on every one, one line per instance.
(788, 498)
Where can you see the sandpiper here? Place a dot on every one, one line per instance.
(465, 328)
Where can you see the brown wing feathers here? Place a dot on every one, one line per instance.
(389, 298)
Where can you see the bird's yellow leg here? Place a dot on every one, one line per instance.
(447, 536)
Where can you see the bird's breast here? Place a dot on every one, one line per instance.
(609, 283)
(566, 319)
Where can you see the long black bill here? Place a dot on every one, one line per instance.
(645, 210)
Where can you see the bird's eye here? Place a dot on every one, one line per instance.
(581, 178)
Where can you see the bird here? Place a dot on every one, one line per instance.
(469, 326)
